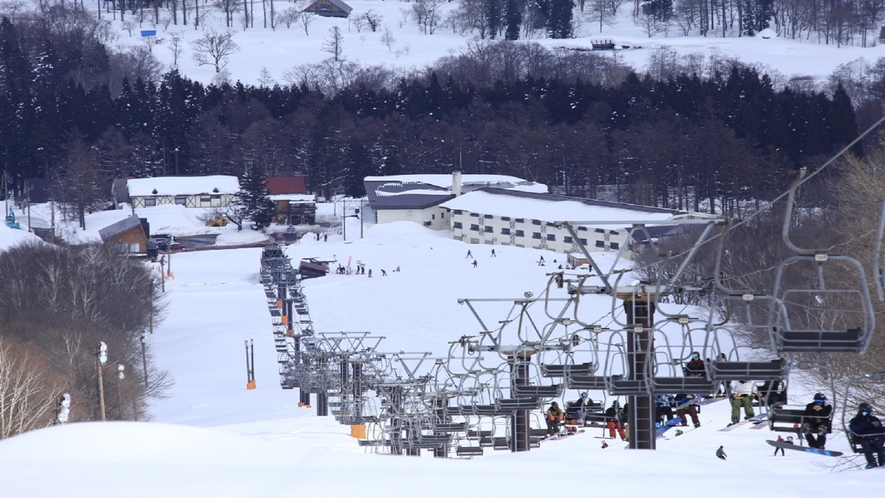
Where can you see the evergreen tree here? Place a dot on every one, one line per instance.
(659, 10)
(559, 24)
(513, 19)
(493, 15)
(254, 199)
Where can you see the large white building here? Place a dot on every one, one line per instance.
(526, 219)
(188, 191)
(417, 198)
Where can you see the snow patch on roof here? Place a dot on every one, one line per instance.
(184, 185)
(548, 210)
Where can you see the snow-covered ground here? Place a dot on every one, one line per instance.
(265, 55)
(212, 437)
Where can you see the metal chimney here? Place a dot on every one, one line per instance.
(456, 183)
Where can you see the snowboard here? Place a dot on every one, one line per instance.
(796, 447)
(753, 420)
(683, 430)
(561, 435)
(659, 431)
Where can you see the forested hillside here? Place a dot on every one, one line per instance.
(72, 109)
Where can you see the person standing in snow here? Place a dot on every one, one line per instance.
(474, 263)
(469, 254)
(493, 253)
(720, 453)
(370, 273)
(780, 439)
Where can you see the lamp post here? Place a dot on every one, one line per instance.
(102, 357)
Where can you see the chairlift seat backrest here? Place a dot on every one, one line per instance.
(821, 303)
(758, 370)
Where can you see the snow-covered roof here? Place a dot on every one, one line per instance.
(423, 191)
(468, 182)
(294, 198)
(550, 207)
(119, 227)
(184, 185)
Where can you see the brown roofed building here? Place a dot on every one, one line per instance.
(277, 185)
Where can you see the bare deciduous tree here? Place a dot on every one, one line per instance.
(387, 38)
(334, 44)
(28, 391)
(304, 19)
(373, 20)
(176, 46)
(214, 48)
(288, 16)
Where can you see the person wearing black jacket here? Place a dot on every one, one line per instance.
(816, 423)
(613, 421)
(574, 413)
(869, 430)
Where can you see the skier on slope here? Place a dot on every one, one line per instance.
(721, 453)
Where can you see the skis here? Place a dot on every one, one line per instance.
(796, 447)
(752, 420)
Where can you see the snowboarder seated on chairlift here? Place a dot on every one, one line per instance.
(554, 418)
(868, 429)
(574, 413)
(695, 366)
(816, 423)
(688, 409)
(744, 391)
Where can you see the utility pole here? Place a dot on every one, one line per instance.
(163, 274)
(102, 356)
(144, 358)
(151, 301)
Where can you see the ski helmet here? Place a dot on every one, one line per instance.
(864, 407)
(820, 397)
